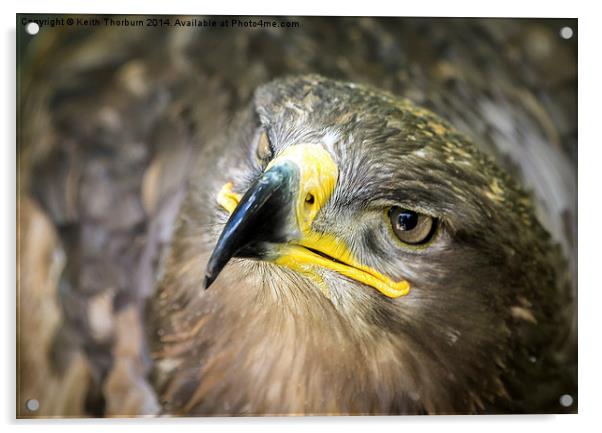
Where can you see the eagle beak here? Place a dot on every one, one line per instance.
(273, 222)
(256, 221)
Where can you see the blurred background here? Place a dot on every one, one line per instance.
(111, 117)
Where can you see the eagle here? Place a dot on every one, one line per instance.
(385, 230)
(362, 257)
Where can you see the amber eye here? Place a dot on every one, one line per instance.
(411, 227)
(264, 150)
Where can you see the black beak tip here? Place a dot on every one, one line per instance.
(208, 281)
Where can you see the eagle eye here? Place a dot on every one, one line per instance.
(264, 151)
(411, 227)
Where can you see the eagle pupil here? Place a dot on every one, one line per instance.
(407, 220)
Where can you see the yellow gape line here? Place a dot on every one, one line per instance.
(302, 259)
(228, 199)
(318, 176)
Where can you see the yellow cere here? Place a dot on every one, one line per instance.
(318, 175)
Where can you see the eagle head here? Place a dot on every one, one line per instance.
(361, 256)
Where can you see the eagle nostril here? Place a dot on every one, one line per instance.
(309, 198)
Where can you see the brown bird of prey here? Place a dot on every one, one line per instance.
(350, 216)
(361, 257)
